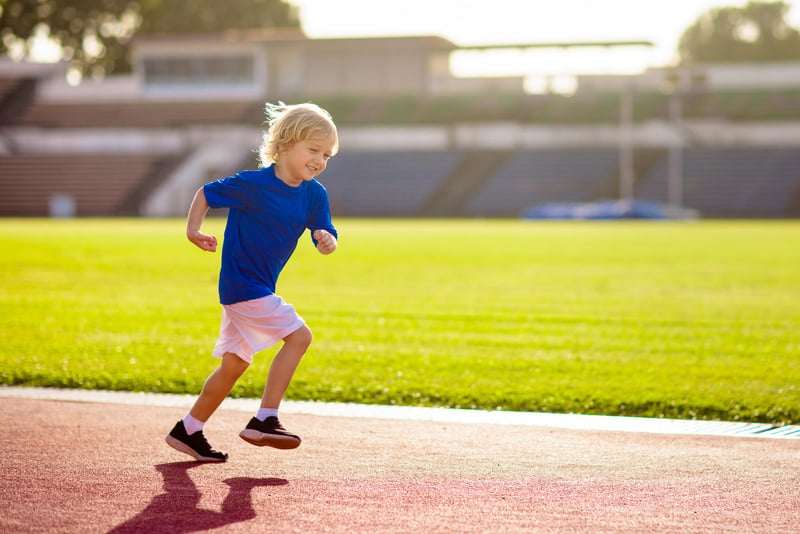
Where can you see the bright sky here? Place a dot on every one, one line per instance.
(478, 22)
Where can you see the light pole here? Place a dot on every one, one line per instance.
(626, 145)
(675, 155)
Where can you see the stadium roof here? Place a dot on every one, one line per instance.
(575, 44)
(431, 41)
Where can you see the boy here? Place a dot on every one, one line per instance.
(269, 209)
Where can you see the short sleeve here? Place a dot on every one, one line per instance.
(320, 215)
(230, 192)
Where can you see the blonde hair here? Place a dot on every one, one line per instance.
(288, 124)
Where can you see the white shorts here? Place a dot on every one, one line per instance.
(254, 325)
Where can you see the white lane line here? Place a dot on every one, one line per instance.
(442, 415)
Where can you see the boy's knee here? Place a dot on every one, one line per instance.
(300, 337)
(233, 364)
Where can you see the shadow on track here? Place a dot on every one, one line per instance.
(177, 509)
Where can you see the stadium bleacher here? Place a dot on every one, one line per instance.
(8, 86)
(731, 182)
(385, 183)
(588, 108)
(736, 180)
(539, 176)
(16, 94)
(96, 185)
(139, 114)
(746, 105)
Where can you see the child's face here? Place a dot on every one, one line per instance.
(304, 160)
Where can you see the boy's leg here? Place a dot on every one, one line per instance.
(269, 431)
(217, 386)
(284, 365)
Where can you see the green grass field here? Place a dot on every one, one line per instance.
(684, 320)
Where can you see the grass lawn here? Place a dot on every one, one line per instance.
(685, 320)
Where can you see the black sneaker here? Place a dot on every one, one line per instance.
(270, 433)
(194, 445)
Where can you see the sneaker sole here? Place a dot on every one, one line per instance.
(184, 448)
(260, 439)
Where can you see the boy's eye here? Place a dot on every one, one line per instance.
(316, 150)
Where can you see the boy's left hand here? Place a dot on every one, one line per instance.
(326, 243)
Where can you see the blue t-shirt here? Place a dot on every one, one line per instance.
(265, 221)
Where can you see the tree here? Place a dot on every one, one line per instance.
(756, 32)
(93, 35)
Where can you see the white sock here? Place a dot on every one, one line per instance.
(192, 425)
(263, 413)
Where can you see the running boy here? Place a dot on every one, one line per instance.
(269, 209)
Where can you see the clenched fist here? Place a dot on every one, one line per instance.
(204, 241)
(326, 243)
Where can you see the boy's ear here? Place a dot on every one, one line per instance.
(280, 149)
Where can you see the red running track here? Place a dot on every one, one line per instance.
(87, 467)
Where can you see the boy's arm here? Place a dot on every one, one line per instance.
(197, 211)
(326, 242)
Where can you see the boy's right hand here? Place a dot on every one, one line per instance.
(203, 241)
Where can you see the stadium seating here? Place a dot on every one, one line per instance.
(719, 182)
(385, 183)
(746, 105)
(588, 108)
(732, 182)
(140, 114)
(533, 177)
(16, 94)
(8, 86)
(98, 185)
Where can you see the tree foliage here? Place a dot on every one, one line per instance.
(94, 34)
(757, 32)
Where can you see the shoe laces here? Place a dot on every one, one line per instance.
(203, 445)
